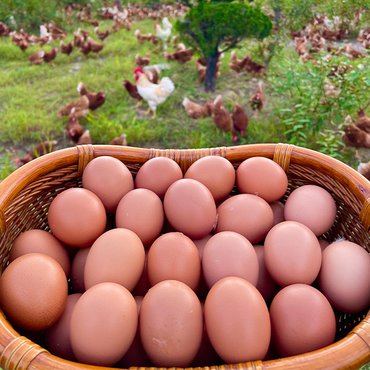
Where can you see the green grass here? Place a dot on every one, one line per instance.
(31, 95)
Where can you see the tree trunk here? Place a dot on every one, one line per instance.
(210, 79)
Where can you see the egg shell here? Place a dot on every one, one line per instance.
(135, 355)
(57, 337)
(278, 212)
(40, 241)
(263, 177)
(246, 214)
(143, 285)
(33, 291)
(77, 217)
(216, 173)
(292, 253)
(312, 206)
(141, 211)
(77, 275)
(190, 208)
(237, 320)
(171, 324)
(302, 320)
(109, 179)
(206, 355)
(157, 174)
(228, 253)
(345, 276)
(116, 256)
(103, 324)
(174, 256)
(265, 283)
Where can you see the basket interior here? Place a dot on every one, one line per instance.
(30, 207)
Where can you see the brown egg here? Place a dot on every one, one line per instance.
(109, 179)
(103, 324)
(143, 285)
(265, 284)
(302, 320)
(77, 217)
(77, 274)
(190, 208)
(135, 355)
(263, 177)
(33, 291)
(116, 256)
(245, 214)
(216, 173)
(345, 276)
(174, 256)
(312, 206)
(40, 241)
(237, 320)
(206, 355)
(157, 174)
(57, 337)
(278, 212)
(171, 324)
(200, 243)
(229, 254)
(141, 211)
(292, 253)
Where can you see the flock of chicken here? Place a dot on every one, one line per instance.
(322, 34)
(149, 87)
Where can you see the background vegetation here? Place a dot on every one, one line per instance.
(297, 110)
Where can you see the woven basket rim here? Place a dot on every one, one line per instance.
(357, 341)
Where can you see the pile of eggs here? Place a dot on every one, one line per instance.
(173, 270)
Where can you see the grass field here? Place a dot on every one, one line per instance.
(31, 95)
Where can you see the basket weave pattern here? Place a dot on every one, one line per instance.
(26, 194)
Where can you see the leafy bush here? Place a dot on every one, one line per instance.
(317, 98)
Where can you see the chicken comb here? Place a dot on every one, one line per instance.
(138, 70)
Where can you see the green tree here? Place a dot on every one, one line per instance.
(213, 27)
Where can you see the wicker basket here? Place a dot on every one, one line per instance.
(26, 194)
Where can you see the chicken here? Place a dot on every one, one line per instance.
(119, 140)
(96, 99)
(95, 46)
(74, 129)
(153, 94)
(77, 108)
(85, 138)
(181, 56)
(355, 137)
(195, 110)
(66, 48)
(257, 100)
(37, 58)
(4, 29)
(102, 35)
(240, 122)
(153, 71)
(364, 169)
(141, 61)
(50, 56)
(164, 32)
(221, 117)
(202, 70)
(363, 121)
(85, 48)
(236, 64)
(352, 51)
(37, 151)
(142, 38)
(132, 91)
(253, 67)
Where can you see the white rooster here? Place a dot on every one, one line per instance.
(164, 32)
(153, 94)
